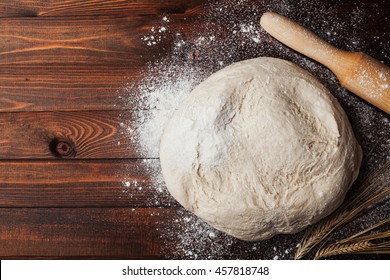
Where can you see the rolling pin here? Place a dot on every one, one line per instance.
(356, 71)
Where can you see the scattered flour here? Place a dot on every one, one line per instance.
(228, 32)
(162, 97)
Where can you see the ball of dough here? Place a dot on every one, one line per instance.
(259, 148)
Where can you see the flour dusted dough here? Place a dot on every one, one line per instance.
(259, 148)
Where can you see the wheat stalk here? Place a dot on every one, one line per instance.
(360, 236)
(338, 249)
(373, 189)
(359, 243)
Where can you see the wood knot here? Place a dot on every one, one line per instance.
(62, 148)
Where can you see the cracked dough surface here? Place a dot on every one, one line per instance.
(259, 148)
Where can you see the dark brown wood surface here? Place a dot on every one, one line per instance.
(64, 65)
(92, 133)
(80, 183)
(82, 232)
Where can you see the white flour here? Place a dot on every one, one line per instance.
(162, 98)
(229, 32)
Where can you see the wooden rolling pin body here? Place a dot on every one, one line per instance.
(356, 71)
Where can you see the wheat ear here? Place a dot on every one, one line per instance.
(373, 189)
(359, 243)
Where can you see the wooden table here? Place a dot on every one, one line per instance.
(63, 153)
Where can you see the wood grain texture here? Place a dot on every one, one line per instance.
(67, 64)
(85, 63)
(92, 134)
(70, 64)
(98, 183)
(69, 72)
(82, 232)
(58, 8)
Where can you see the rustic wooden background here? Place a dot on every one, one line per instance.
(63, 65)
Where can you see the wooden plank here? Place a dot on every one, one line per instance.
(68, 64)
(85, 63)
(97, 183)
(88, 134)
(124, 233)
(82, 232)
(65, 64)
(71, 64)
(59, 8)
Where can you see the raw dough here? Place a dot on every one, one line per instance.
(260, 148)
